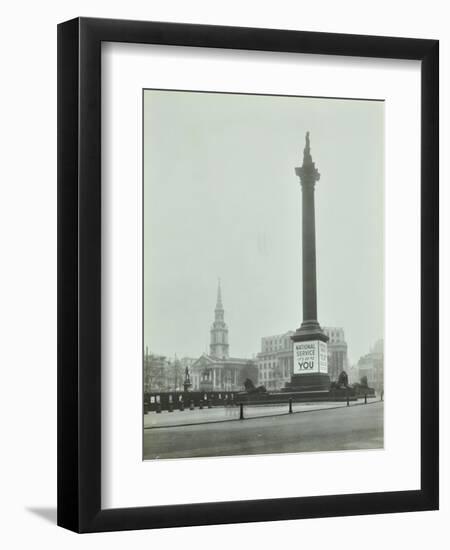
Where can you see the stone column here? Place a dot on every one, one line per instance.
(309, 254)
(308, 175)
(310, 367)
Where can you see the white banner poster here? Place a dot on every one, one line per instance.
(306, 357)
(310, 356)
(323, 357)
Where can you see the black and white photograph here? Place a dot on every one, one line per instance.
(263, 274)
(225, 275)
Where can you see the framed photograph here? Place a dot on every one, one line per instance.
(247, 274)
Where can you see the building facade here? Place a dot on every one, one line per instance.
(353, 374)
(337, 352)
(275, 361)
(217, 370)
(372, 366)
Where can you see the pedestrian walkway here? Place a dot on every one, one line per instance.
(223, 414)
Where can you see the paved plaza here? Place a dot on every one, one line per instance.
(321, 427)
(223, 414)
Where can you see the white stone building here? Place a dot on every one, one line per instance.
(275, 361)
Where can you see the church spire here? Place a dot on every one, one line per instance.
(219, 297)
(219, 331)
(307, 158)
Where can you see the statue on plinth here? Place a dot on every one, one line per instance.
(250, 387)
(187, 380)
(342, 381)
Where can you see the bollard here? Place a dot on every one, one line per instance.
(170, 407)
(241, 411)
(191, 406)
(209, 404)
(290, 405)
(201, 404)
(365, 399)
(348, 401)
(158, 407)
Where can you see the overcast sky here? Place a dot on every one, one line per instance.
(221, 199)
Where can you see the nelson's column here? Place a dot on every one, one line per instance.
(310, 372)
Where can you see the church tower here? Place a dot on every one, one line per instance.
(218, 347)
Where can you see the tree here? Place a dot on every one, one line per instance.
(177, 374)
(154, 375)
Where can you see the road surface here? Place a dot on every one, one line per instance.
(346, 428)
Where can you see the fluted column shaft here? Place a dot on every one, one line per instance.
(309, 253)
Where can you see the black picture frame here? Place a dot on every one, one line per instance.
(79, 274)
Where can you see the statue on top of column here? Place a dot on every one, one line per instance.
(308, 172)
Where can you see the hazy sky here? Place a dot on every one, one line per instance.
(221, 199)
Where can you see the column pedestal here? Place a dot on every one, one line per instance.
(310, 373)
